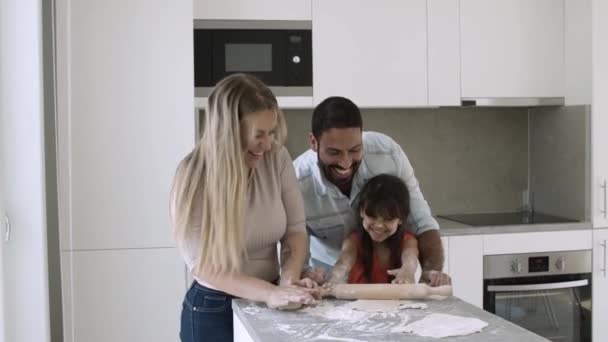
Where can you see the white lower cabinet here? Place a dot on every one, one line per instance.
(466, 267)
(122, 295)
(600, 285)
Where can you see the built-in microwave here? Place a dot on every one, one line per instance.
(277, 52)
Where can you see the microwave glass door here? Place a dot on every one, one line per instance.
(257, 52)
(248, 57)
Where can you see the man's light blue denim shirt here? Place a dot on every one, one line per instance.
(330, 215)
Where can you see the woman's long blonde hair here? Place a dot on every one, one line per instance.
(215, 177)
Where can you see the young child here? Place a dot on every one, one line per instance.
(380, 251)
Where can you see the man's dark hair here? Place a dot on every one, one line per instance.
(335, 112)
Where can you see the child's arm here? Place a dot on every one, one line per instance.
(348, 256)
(409, 263)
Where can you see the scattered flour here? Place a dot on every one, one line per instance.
(399, 328)
(442, 325)
(376, 317)
(254, 310)
(288, 328)
(336, 312)
(412, 305)
(384, 306)
(327, 337)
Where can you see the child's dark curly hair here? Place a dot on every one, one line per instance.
(384, 196)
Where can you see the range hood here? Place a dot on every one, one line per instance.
(511, 101)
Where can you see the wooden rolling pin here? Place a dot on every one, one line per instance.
(386, 291)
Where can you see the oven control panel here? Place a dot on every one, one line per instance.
(551, 263)
(538, 264)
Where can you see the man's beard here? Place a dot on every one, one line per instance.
(341, 183)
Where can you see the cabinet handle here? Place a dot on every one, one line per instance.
(603, 186)
(603, 270)
(7, 228)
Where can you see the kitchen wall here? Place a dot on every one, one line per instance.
(560, 160)
(466, 159)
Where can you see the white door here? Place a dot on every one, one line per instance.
(599, 114)
(512, 48)
(600, 285)
(373, 52)
(25, 283)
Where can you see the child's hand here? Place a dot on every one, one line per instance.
(402, 276)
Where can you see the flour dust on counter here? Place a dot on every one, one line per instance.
(338, 320)
(361, 316)
(372, 305)
(439, 325)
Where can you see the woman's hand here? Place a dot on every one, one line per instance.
(286, 296)
(402, 276)
(304, 282)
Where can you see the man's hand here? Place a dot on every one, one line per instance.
(306, 283)
(316, 274)
(435, 278)
(402, 276)
(330, 284)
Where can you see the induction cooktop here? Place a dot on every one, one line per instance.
(503, 219)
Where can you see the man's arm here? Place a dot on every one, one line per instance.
(317, 274)
(294, 249)
(348, 256)
(424, 225)
(432, 258)
(420, 217)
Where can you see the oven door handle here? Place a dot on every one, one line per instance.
(538, 287)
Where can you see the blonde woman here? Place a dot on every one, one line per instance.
(234, 197)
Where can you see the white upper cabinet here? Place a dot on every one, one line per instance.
(125, 118)
(577, 40)
(252, 10)
(373, 52)
(512, 48)
(443, 53)
(599, 115)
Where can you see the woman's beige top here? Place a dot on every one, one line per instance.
(275, 208)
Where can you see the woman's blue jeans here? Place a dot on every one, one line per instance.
(206, 315)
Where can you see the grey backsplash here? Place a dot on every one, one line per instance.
(560, 161)
(467, 160)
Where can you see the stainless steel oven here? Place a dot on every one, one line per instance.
(546, 293)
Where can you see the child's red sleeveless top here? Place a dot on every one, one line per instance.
(378, 274)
